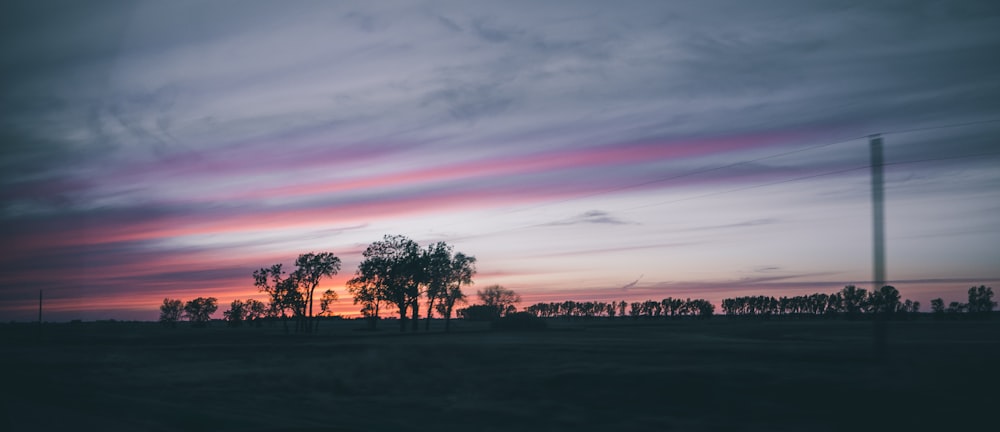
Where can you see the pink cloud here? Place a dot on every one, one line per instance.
(549, 161)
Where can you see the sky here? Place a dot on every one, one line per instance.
(580, 150)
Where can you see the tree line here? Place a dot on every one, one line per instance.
(850, 301)
(668, 307)
(288, 296)
(199, 311)
(980, 305)
(398, 276)
(292, 295)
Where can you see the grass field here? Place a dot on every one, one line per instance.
(599, 375)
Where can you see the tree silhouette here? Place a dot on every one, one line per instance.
(326, 302)
(699, 307)
(292, 300)
(937, 306)
(394, 266)
(852, 300)
(368, 289)
(271, 280)
(500, 299)
(236, 314)
(884, 301)
(311, 268)
(437, 275)
(955, 308)
(752, 306)
(199, 311)
(282, 292)
(981, 302)
(834, 304)
(478, 312)
(256, 311)
(325, 305)
(635, 310)
(170, 311)
(671, 305)
(463, 267)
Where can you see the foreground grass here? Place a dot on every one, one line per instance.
(598, 375)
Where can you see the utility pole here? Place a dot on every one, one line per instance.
(878, 240)
(878, 212)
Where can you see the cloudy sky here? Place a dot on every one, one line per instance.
(580, 150)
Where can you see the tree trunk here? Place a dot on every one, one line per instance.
(308, 315)
(430, 309)
(402, 319)
(447, 316)
(416, 316)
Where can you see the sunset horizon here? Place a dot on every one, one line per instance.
(579, 151)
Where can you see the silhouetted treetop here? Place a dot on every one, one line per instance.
(500, 300)
(171, 311)
(199, 311)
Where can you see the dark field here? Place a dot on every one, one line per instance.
(599, 375)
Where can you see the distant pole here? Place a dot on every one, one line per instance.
(878, 212)
(878, 240)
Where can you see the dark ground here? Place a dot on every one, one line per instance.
(599, 375)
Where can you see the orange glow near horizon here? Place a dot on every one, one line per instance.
(147, 305)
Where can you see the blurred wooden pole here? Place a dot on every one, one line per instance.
(878, 240)
(878, 212)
